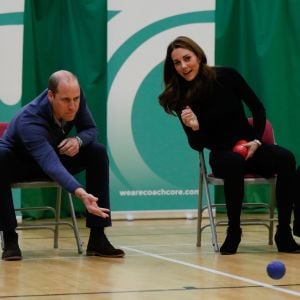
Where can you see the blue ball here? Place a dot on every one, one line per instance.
(276, 269)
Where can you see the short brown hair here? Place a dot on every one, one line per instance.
(57, 77)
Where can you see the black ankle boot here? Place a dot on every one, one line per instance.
(11, 249)
(99, 245)
(296, 228)
(232, 241)
(284, 240)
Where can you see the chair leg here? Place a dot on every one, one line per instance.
(209, 205)
(2, 240)
(57, 216)
(200, 205)
(75, 227)
(211, 217)
(272, 209)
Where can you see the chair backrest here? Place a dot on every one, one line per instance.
(268, 135)
(3, 127)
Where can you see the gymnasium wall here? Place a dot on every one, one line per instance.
(117, 47)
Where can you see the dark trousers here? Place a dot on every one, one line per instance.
(267, 160)
(297, 203)
(92, 159)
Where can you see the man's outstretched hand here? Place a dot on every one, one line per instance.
(90, 202)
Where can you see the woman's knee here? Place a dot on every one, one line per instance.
(230, 165)
(285, 160)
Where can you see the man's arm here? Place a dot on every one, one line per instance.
(44, 154)
(253, 102)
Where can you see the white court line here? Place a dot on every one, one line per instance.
(254, 282)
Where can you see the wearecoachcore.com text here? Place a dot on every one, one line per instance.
(159, 192)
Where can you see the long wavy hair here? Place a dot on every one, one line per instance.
(178, 92)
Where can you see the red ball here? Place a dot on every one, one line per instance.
(241, 150)
(240, 142)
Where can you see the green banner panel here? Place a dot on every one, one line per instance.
(11, 50)
(68, 35)
(152, 166)
(261, 40)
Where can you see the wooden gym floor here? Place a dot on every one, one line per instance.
(162, 262)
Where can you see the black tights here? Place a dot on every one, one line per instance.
(267, 160)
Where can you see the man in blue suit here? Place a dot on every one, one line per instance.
(37, 145)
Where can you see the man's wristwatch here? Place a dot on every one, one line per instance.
(79, 140)
(258, 142)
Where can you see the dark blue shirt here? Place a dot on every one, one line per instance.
(33, 133)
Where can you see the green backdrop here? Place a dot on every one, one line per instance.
(261, 38)
(67, 35)
(258, 37)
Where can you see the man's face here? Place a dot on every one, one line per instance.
(65, 102)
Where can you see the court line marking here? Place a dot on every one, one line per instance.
(240, 278)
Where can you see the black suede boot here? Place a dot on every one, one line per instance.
(232, 241)
(284, 240)
(296, 228)
(99, 245)
(11, 249)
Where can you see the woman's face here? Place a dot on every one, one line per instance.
(186, 63)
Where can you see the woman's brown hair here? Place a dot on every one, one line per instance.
(170, 98)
